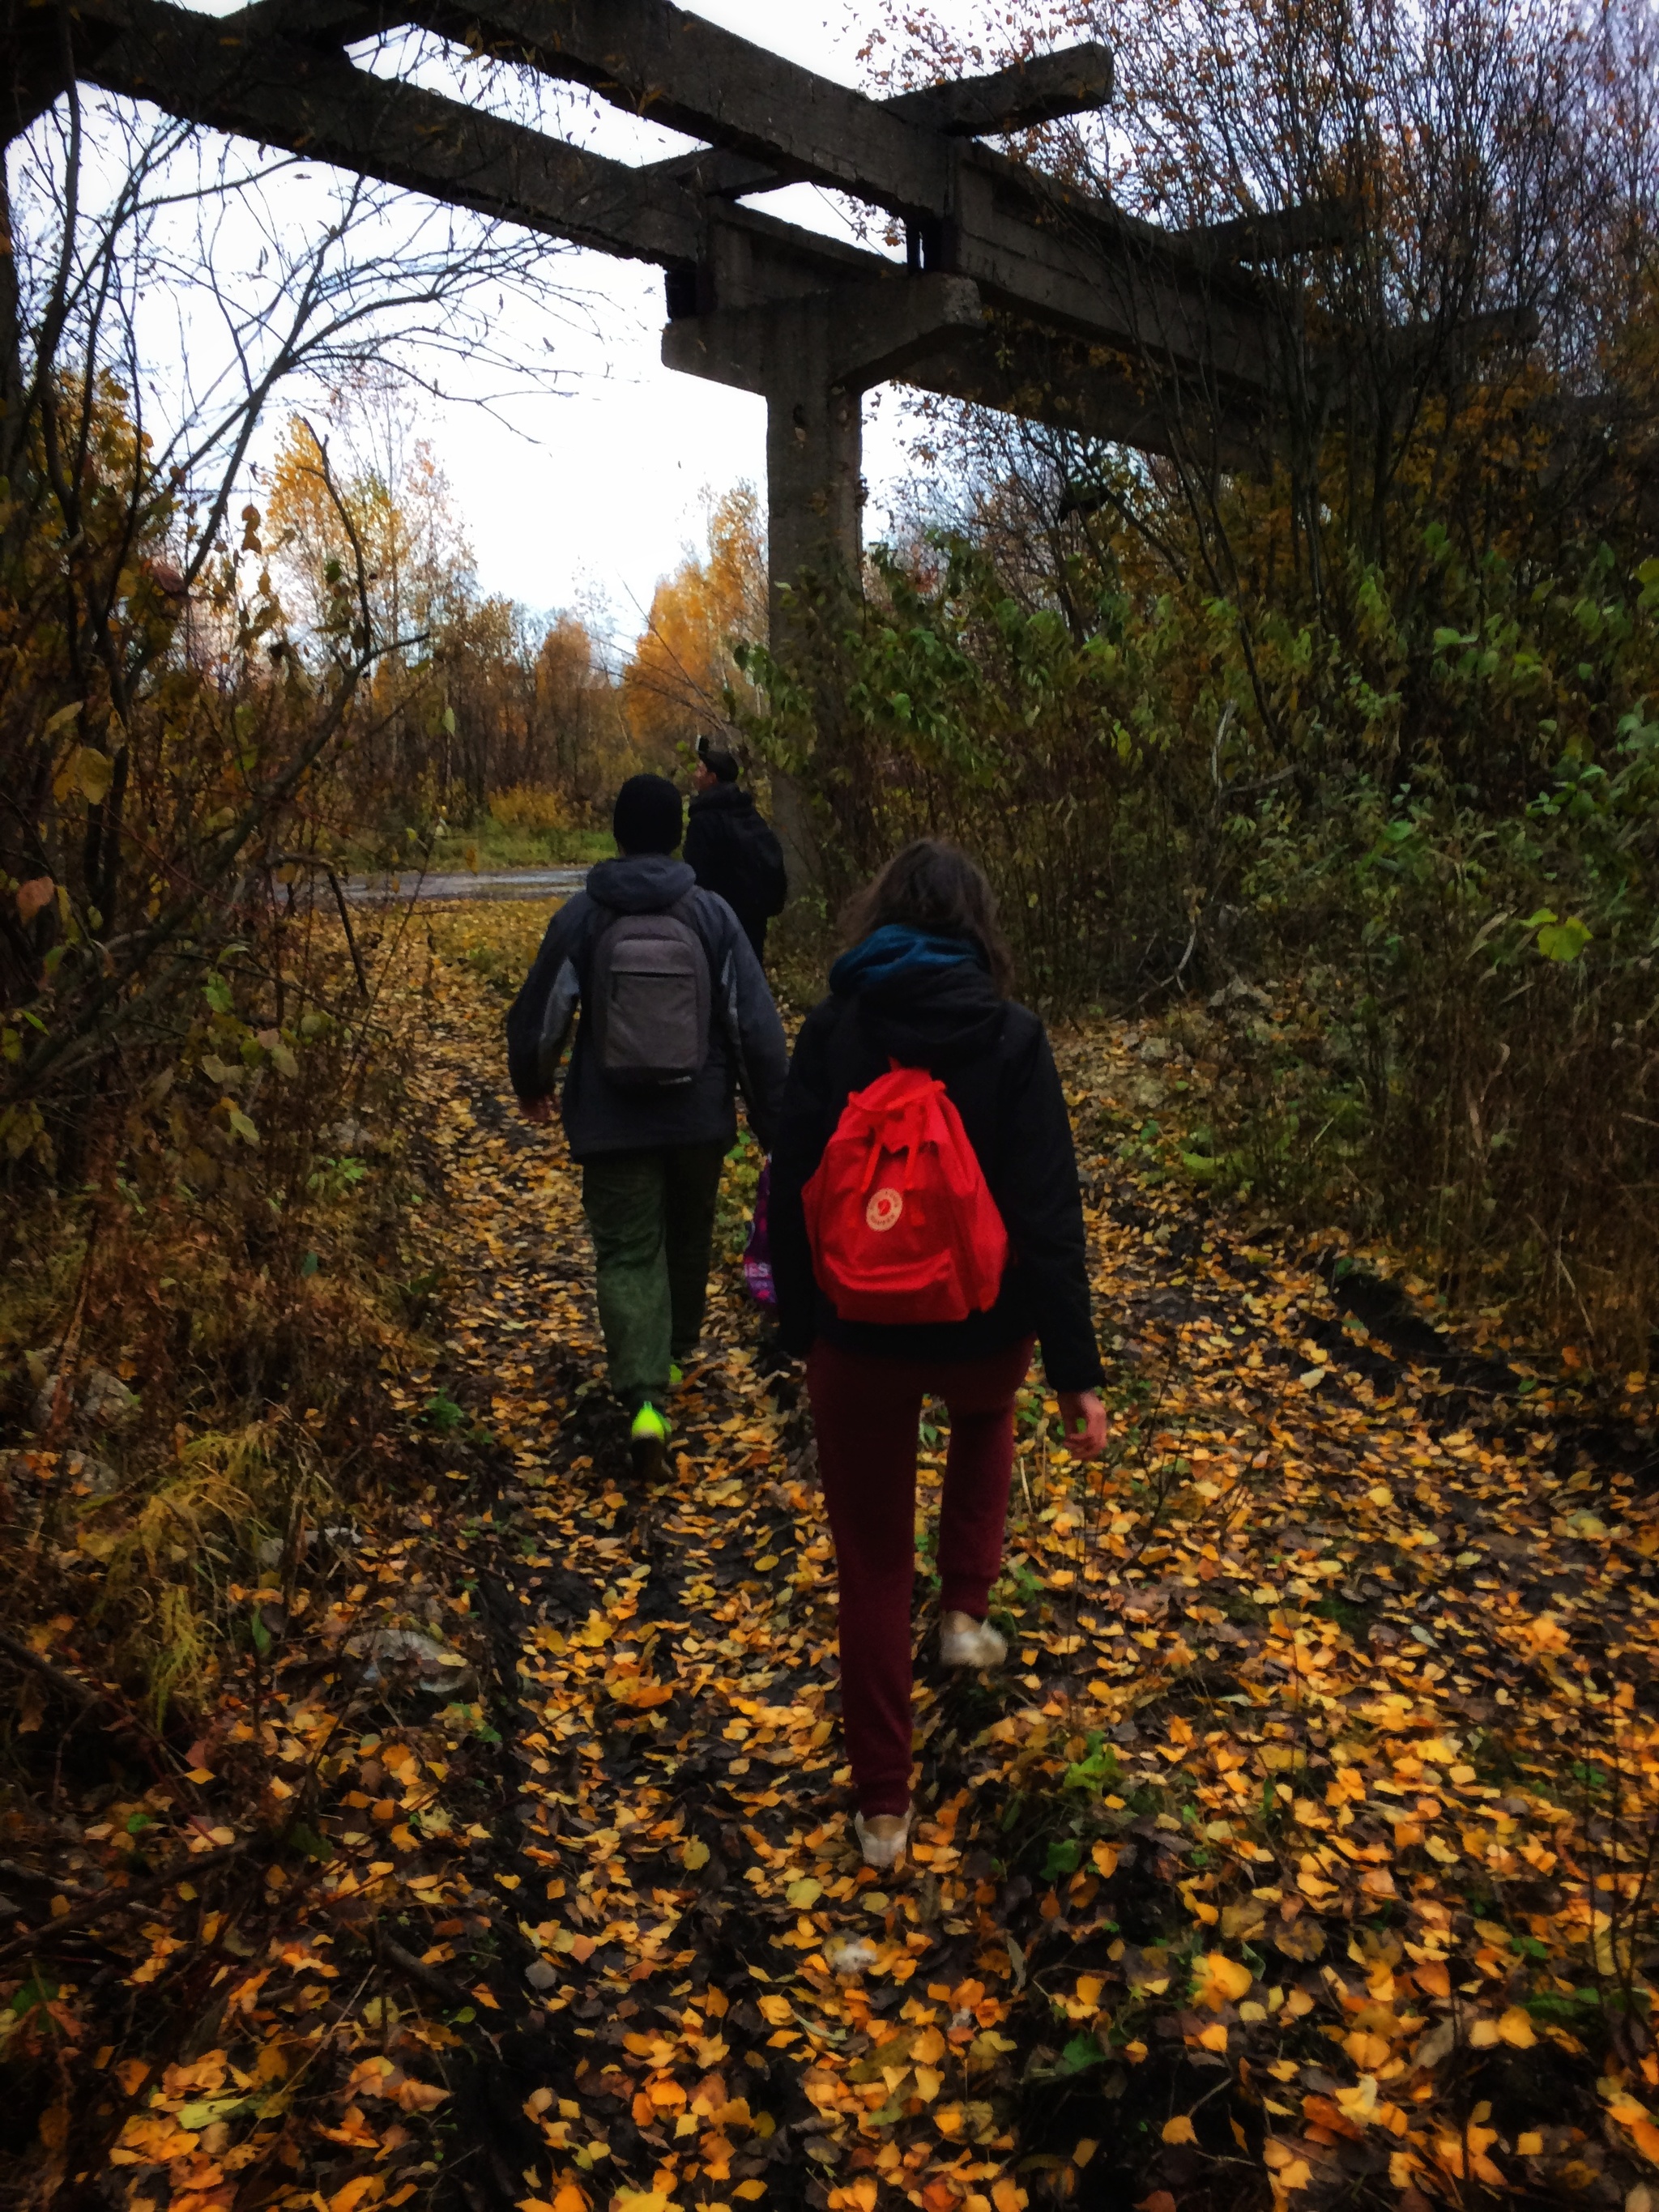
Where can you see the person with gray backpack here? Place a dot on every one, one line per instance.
(675, 1019)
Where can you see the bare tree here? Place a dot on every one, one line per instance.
(156, 726)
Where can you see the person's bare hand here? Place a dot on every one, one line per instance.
(538, 1110)
(1083, 1419)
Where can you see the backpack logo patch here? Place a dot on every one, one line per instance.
(884, 1208)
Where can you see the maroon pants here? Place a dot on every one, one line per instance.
(866, 1412)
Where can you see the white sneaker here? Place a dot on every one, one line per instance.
(883, 1837)
(965, 1641)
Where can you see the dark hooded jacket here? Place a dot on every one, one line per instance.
(733, 851)
(746, 1051)
(926, 1002)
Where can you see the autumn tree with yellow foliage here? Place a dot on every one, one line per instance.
(472, 697)
(676, 687)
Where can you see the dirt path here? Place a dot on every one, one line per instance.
(1304, 1853)
(1295, 1853)
(1288, 1744)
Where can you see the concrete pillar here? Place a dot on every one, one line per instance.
(814, 503)
(812, 358)
(814, 491)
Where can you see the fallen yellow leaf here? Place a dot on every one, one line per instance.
(1359, 2103)
(1222, 1980)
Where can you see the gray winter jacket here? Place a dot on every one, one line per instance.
(746, 1049)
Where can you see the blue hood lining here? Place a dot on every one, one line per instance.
(897, 949)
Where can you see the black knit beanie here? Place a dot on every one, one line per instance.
(647, 816)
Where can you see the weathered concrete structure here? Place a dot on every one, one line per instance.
(1016, 290)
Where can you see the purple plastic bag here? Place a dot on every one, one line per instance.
(757, 1252)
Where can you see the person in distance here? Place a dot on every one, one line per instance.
(731, 848)
(926, 1227)
(675, 1017)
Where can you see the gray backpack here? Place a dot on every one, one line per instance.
(649, 997)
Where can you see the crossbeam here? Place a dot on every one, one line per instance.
(1035, 245)
(1040, 90)
(1113, 294)
(275, 71)
(656, 60)
(285, 91)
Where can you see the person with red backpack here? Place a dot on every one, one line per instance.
(926, 1228)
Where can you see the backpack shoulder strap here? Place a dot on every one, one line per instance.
(686, 910)
(601, 921)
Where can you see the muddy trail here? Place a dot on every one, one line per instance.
(1301, 1853)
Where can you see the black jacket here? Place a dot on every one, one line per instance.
(747, 1048)
(993, 1060)
(733, 851)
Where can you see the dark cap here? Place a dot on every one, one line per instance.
(647, 817)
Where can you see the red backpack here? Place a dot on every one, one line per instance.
(901, 1224)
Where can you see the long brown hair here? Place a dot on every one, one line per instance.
(931, 884)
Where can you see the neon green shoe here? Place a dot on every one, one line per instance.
(648, 1443)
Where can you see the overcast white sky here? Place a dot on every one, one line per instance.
(611, 491)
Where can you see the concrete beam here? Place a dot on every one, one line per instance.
(1275, 234)
(37, 64)
(313, 102)
(850, 338)
(679, 69)
(1049, 255)
(1040, 89)
(1092, 393)
(1067, 261)
(1034, 247)
(1051, 259)
(934, 333)
(319, 22)
(752, 260)
(234, 74)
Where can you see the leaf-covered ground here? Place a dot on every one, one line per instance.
(1303, 1852)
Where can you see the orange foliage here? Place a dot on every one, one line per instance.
(674, 689)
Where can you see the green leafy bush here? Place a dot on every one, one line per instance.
(1396, 868)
